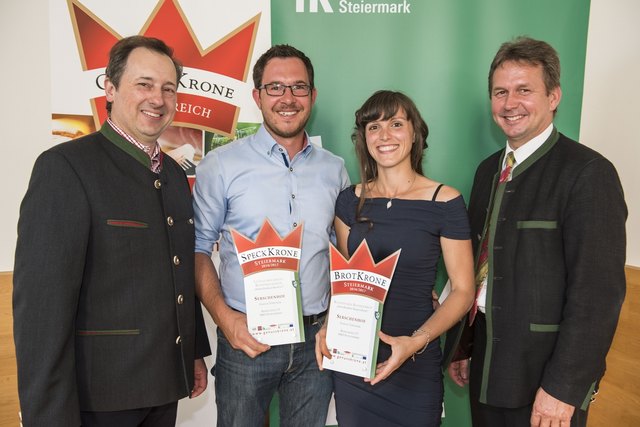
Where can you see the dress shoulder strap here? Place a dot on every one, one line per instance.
(435, 193)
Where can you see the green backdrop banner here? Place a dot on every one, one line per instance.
(438, 52)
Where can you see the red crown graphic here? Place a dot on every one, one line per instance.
(229, 56)
(363, 260)
(267, 236)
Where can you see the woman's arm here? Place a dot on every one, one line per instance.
(458, 260)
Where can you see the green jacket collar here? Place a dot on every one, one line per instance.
(544, 149)
(125, 145)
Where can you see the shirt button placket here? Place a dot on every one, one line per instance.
(294, 206)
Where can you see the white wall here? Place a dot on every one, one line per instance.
(25, 111)
(610, 107)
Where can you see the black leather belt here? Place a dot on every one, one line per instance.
(313, 319)
(306, 320)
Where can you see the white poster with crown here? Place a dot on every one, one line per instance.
(270, 265)
(359, 287)
(216, 41)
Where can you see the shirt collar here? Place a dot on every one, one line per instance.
(528, 148)
(271, 147)
(151, 156)
(151, 151)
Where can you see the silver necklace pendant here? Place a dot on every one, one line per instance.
(389, 204)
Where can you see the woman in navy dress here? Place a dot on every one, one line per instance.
(395, 206)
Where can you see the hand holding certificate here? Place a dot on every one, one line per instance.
(358, 290)
(270, 265)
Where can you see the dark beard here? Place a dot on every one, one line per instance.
(289, 134)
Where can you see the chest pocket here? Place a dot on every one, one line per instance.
(545, 225)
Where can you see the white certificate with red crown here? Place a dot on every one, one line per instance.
(270, 265)
(359, 287)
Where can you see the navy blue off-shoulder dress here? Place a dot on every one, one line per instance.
(413, 394)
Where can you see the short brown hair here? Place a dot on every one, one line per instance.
(280, 51)
(531, 51)
(119, 54)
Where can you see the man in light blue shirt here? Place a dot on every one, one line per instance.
(276, 174)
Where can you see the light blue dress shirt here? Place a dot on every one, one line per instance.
(240, 184)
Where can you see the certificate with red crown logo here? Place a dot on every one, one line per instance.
(270, 265)
(359, 287)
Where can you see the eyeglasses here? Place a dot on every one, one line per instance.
(278, 89)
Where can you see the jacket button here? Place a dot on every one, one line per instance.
(157, 183)
(176, 260)
(170, 221)
(190, 221)
(180, 299)
(179, 339)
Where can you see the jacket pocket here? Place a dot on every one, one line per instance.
(548, 225)
(106, 332)
(127, 223)
(544, 327)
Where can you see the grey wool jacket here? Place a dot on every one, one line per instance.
(556, 278)
(105, 312)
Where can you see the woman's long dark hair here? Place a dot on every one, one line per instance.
(383, 105)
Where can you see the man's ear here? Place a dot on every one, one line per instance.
(256, 97)
(555, 95)
(109, 89)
